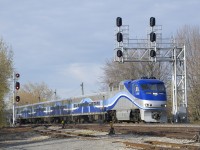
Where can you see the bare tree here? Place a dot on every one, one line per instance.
(35, 92)
(6, 68)
(115, 72)
(190, 35)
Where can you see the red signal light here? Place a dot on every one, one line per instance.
(17, 86)
(17, 98)
(17, 75)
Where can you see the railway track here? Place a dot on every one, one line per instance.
(133, 136)
(180, 131)
(156, 136)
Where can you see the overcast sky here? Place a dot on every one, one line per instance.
(66, 42)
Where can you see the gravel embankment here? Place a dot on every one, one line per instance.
(55, 138)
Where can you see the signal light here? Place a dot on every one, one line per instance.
(119, 37)
(17, 75)
(152, 37)
(17, 86)
(119, 53)
(153, 53)
(152, 21)
(17, 98)
(119, 21)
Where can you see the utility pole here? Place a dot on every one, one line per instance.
(55, 94)
(82, 88)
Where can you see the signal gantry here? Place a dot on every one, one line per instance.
(156, 49)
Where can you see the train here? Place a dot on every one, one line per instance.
(141, 100)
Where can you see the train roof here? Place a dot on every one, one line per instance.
(80, 99)
(142, 81)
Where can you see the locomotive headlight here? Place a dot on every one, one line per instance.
(148, 105)
(155, 94)
(163, 105)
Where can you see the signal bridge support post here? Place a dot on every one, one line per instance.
(179, 84)
(156, 49)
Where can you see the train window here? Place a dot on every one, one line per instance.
(136, 89)
(110, 89)
(121, 87)
(153, 87)
(145, 87)
(115, 88)
(161, 87)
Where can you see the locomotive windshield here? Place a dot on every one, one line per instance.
(153, 87)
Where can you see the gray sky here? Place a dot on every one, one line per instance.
(64, 43)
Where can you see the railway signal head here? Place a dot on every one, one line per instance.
(17, 85)
(17, 75)
(152, 21)
(119, 53)
(17, 98)
(152, 37)
(153, 53)
(119, 37)
(119, 21)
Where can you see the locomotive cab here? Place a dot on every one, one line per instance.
(149, 89)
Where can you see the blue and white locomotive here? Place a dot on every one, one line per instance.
(130, 100)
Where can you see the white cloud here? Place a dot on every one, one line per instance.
(69, 77)
(83, 72)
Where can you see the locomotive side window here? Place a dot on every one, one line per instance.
(136, 90)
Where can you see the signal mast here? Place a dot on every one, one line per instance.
(16, 97)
